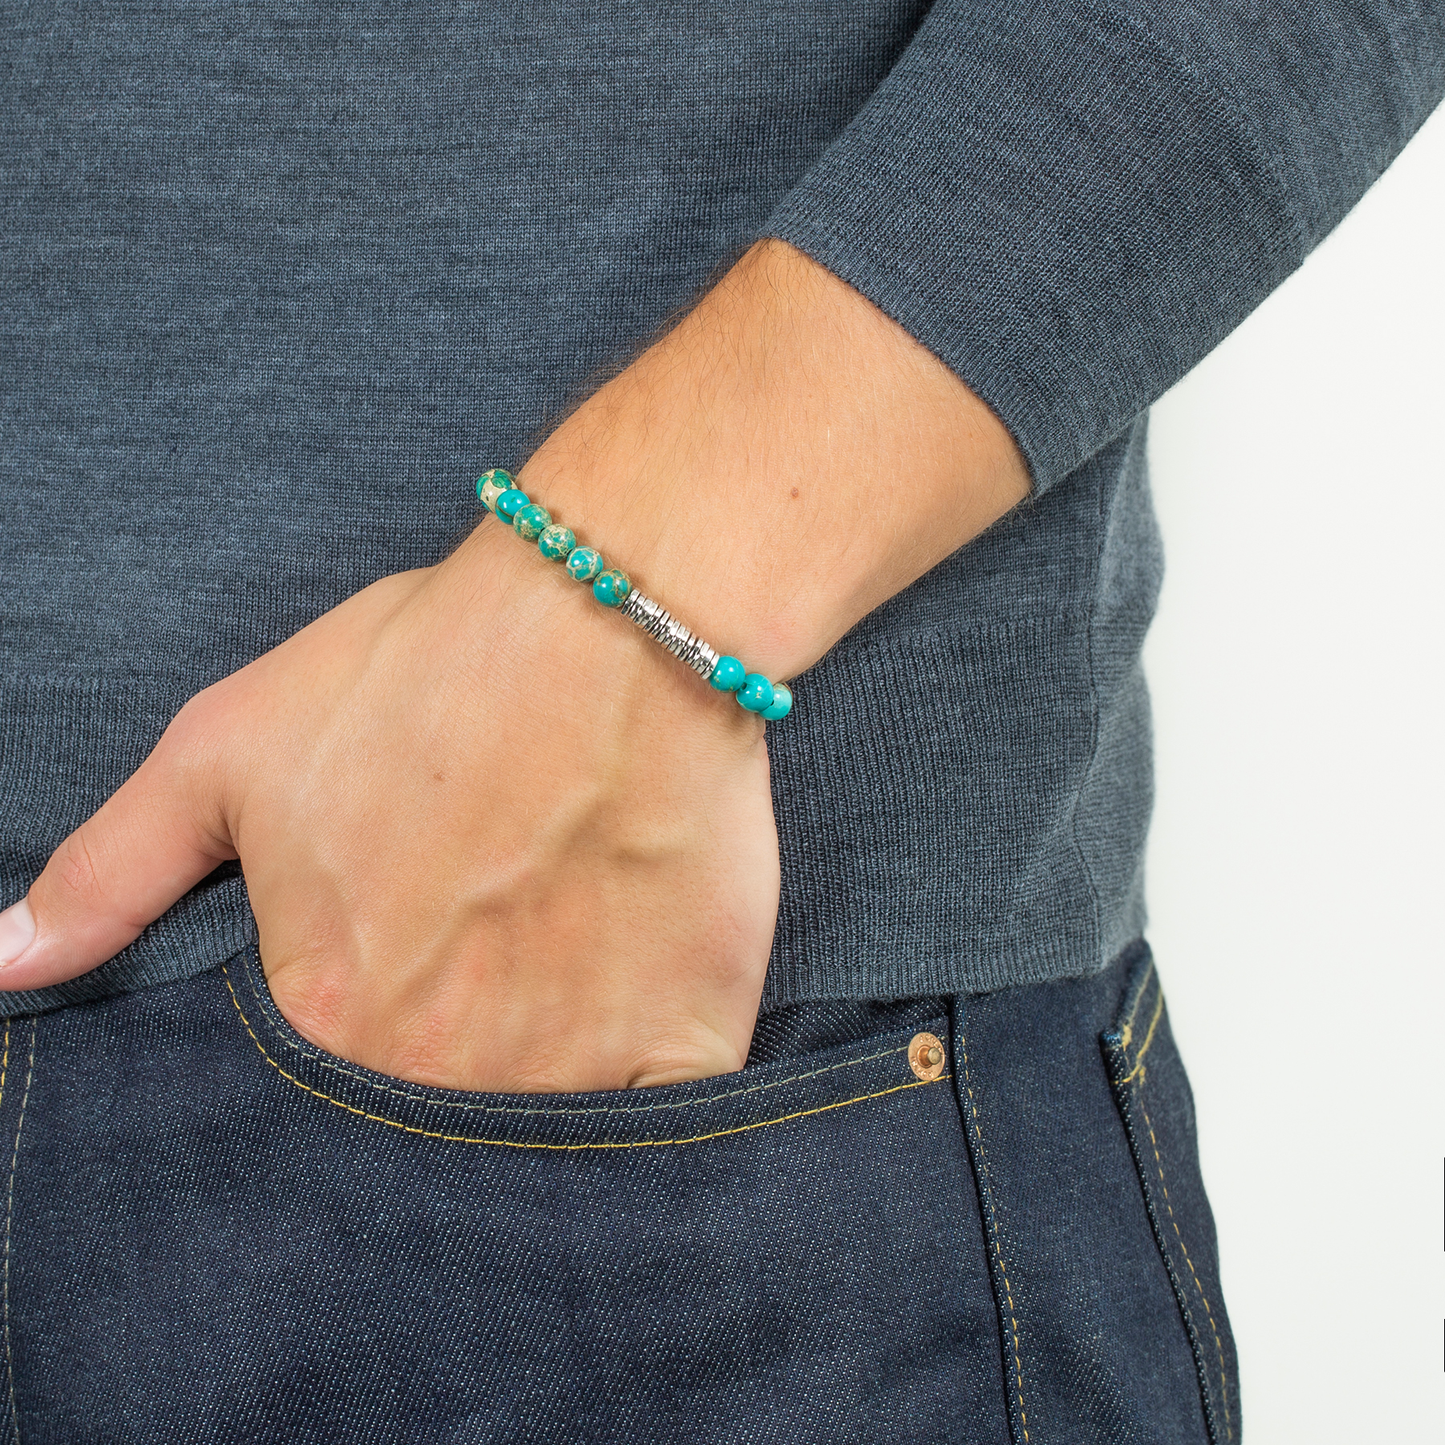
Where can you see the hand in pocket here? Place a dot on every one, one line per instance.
(494, 837)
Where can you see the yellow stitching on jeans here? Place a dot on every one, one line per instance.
(318, 1058)
(1128, 1030)
(9, 1212)
(1144, 1047)
(998, 1251)
(1218, 1343)
(564, 1148)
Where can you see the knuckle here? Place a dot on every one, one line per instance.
(533, 1078)
(75, 868)
(315, 1002)
(705, 1059)
(78, 873)
(85, 877)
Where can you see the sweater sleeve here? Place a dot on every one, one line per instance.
(1072, 204)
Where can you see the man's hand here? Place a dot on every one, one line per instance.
(494, 837)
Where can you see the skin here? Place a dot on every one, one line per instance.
(496, 838)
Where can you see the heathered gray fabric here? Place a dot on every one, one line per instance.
(279, 280)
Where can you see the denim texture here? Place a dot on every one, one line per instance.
(1105, 1340)
(278, 280)
(215, 1232)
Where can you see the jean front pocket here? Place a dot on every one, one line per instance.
(286, 1246)
(1154, 1099)
(799, 1083)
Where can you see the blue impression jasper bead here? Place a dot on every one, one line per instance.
(530, 520)
(556, 541)
(728, 675)
(611, 588)
(756, 693)
(491, 485)
(782, 703)
(510, 503)
(584, 563)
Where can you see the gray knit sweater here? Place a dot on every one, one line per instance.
(277, 280)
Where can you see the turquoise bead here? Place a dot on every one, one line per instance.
(756, 693)
(529, 521)
(728, 675)
(556, 541)
(782, 703)
(490, 485)
(611, 588)
(510, 503)
(584, 563)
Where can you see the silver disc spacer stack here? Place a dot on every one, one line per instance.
(655, 620)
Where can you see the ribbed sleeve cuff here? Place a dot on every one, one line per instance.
(1065, 212)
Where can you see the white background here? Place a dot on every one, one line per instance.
(1296, 858)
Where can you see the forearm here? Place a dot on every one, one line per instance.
(779, 464)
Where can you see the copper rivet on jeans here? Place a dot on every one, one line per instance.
(925, 1057)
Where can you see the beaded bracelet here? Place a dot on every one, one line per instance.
(498, 493)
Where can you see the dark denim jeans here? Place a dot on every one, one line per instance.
(216, 1232)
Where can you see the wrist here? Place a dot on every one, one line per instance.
(541, 621)
(778, 465)
(689, 555)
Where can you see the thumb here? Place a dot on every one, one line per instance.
(157, 836)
